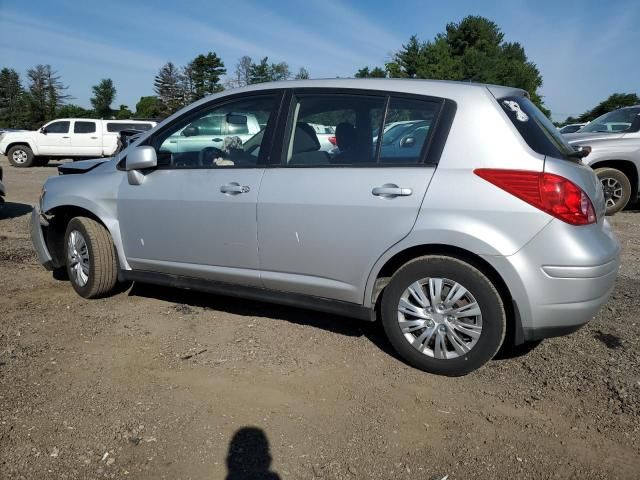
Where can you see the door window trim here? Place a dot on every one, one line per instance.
(267, 141)
(429, 155)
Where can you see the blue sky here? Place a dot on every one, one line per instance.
(585, 50)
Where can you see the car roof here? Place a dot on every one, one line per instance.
(440, 88)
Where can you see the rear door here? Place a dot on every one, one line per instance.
(86, 140)
(324, 219)
(54, 138)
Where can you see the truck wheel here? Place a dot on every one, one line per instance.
(20, 156)
(617, 188)
(91, 259)
(443, 315)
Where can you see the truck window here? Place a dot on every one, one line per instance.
(117, 127)
(84, 127)
(58, 127)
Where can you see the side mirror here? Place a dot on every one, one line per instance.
(43, 130)
(140, 158)
(408, 142)
(190, 131)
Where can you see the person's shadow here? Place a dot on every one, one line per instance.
(249, 457)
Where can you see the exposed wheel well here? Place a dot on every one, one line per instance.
(59, 218)
(15, 144)
(514, 333)
(625, 166)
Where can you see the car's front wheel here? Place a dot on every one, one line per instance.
(616, 187)
(443, 315)
(91, 259)
(20, 156)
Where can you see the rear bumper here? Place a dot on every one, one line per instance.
(561, 278)
(37, 238)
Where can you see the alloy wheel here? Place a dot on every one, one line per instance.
(20, 156)
(78, 257)
(612, 191)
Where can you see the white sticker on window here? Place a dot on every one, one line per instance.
(515, 107)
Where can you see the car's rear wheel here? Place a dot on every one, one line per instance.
(443, 315)
(20, 156)
(91, 259)
(616, 187)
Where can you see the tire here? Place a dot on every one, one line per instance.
(617, 188)
(20, 156)
(88, 242)
(488, 328)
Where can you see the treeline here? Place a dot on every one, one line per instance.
(43, 96)
(472, 50)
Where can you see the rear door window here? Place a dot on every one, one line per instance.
(84, 127)
(535, 128)
(407, 129)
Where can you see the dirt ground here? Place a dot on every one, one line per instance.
(158, 383)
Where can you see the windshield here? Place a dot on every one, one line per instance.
(617, 121)
(535, 128)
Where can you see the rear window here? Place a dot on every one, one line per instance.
(536, 129)
(117, 127)
(84, 127)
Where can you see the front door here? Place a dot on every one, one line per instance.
(195, 215)
(54, 138)
(324, 219)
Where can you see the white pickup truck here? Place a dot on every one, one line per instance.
(66, 138)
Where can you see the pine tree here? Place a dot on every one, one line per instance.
(203, 74)
(303, 74)
(169, 86)
(11, 99)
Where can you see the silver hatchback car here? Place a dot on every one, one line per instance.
(488, 229)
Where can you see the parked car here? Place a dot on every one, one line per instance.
(571, 127)
(211, 131)
(3, 191)
(491, 232)
(613, 143)
(66, 138)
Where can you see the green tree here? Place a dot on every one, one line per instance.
(169, 86)
(45, 95)
(124, 113)
(203, 75)
(149, 107)
(103, 95)
(471, 50)
(266, 72)
(613, 102)
(303, 74)
(260, 72)
(375, 72)
(12, 99)
(74, 111)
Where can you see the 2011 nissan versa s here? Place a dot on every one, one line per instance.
(487, 229)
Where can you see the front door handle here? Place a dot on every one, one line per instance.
(390, 191)
(216, 139)
(234, 189)
(65, 137)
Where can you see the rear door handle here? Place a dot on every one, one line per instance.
(390, 191)
(234, 189)
(94, 138)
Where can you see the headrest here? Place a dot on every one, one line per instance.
(345, 135)
(305, 139)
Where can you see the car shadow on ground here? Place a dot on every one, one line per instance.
(249, 456)
(238, 306)
(341, 325)
(13, 210)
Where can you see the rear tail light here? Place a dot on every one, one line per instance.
(550, 193)
(333, 141)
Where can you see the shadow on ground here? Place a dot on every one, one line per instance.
(237, 306)
(249, 456)
(13, 210)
